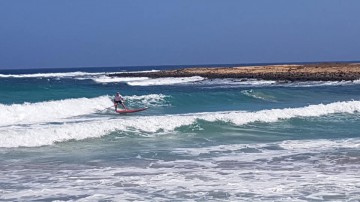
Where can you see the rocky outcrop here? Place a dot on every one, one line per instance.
(308, 72)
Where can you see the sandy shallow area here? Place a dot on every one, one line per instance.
(315, 72)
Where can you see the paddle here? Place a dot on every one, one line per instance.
(105, 109)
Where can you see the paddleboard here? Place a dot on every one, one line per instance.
(126, 111)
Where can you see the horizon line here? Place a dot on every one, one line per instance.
(187, 65)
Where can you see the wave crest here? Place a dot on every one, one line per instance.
(39, 135)
(50, 111)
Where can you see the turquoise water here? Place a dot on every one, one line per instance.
(200, 139)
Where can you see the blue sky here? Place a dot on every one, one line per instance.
(82, 33)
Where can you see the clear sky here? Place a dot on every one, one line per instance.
(78, 33)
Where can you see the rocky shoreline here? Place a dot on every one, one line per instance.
(306, 72)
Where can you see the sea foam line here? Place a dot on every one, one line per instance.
(38, 135)
(107, 79)
(146, 81)
(165, 81)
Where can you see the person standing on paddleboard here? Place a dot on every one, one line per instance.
(119, 100)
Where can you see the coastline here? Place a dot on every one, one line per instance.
(290, 72)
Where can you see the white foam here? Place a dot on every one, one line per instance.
(107, 79)
(227, 82)
(165, 81)
(144, 71)
(226, 173)
(29, 113)
(235, 83)
(319, 145)
(321, 83)
(147, 100)
(273, 115)
(38, 135)
(50, 111)
(49, 75)
(101, 76)
(146, 81)
(296, 146)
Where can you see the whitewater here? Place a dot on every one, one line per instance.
(68, 130)
(200, 139)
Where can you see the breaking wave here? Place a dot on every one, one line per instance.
(38, 135)
(50, 111)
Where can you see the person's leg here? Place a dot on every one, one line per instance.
(123, 105)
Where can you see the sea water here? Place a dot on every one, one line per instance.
(201, 139)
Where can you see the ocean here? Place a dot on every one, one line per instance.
(200, 140)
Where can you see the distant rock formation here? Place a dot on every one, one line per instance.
(307, 72)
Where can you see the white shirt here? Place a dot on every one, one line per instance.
(118, 98)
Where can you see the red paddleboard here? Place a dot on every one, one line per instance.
(126, 111)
